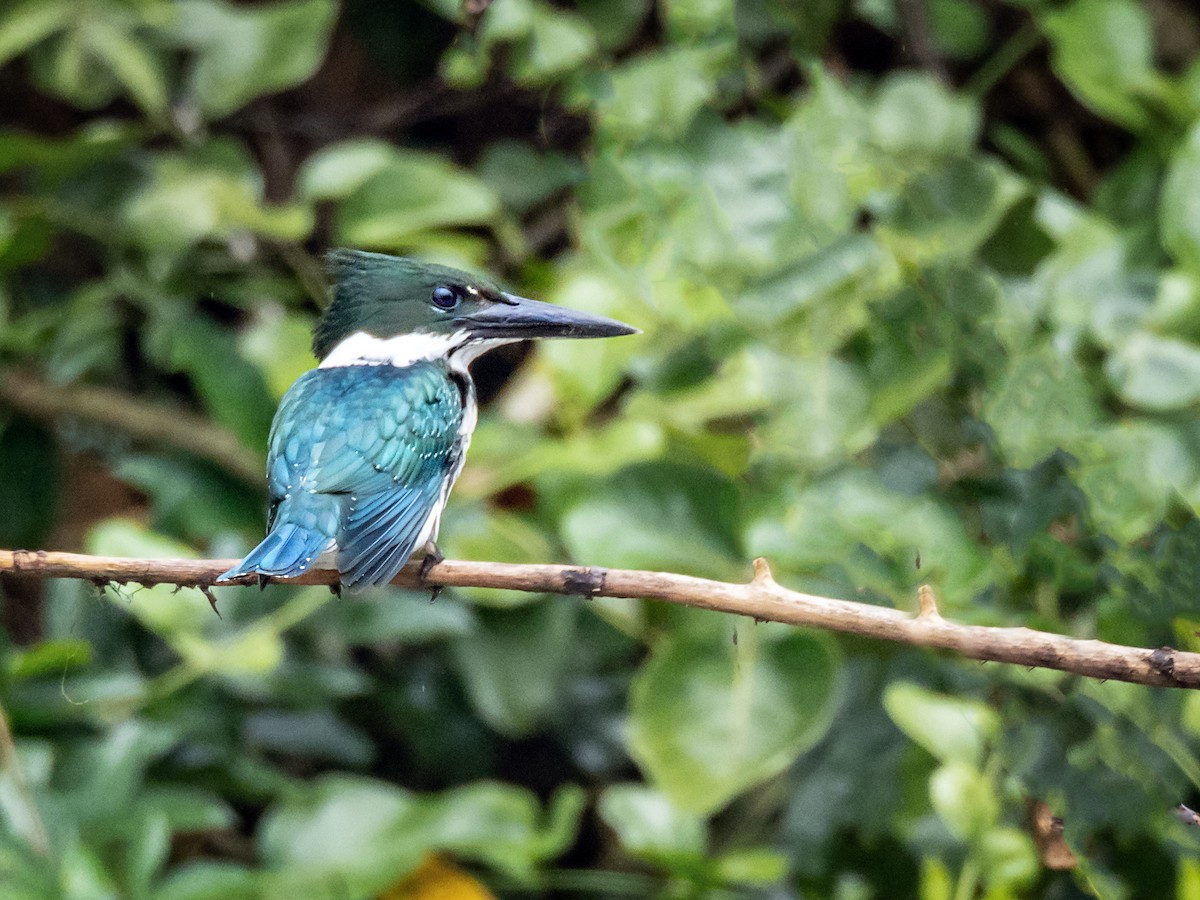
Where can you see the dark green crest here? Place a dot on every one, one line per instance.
(389, 295)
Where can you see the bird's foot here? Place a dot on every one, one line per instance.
(433, 556)
(263, 581)
(336, 589)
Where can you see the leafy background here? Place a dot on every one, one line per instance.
(920, 286)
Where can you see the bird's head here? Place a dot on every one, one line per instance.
(420, 309)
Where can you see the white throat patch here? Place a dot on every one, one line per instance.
(362, 349)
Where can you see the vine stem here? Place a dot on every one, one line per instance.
(760, 598)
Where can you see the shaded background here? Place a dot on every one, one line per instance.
(920, 286)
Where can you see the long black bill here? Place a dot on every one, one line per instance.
(519, 317)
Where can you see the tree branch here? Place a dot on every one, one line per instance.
(149, 422)
(762, 598)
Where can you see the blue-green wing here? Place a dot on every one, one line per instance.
(361, 454)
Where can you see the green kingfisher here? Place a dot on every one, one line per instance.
(364, 449)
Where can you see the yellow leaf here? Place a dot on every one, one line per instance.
(438, 879)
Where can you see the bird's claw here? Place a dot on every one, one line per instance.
(432, 557)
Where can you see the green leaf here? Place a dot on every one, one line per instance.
(513, 663)
(1043, 403)
(504, 826)
(132, 63)
(363, 832)
(950, 211)
(393, 615)
(661, 516)
(1156, 373)
(1130, 471)
(232, 389)
(414, 193)
(558, 42)
(1010, 859)
(953, 729)
(877, 533)
(29, 22)
(522, 177)
(48, 657)
(1179, 213)
(280, 344)
(340, 169)
(1103, 50)
(709, 720)
(914, 116)
(655, 95)
(211, 881)
(650, 826)
(964, 798)
(752, 866)
(244, 52)
(366, 835)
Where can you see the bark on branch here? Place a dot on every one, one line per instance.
(761, 598)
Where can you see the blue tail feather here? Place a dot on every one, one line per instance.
(287, 551)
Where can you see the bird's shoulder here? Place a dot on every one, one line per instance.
(345, 427)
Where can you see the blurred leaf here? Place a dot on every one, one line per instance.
(232, 389)
(211, 191)
(655, 95)
(206, 880)
(340, 169)
(558, 41)
(1156, 373)
(27, 22)
(709, 720)
(964, 798)
(513, 663)
(29, 492)
(315, 733)
(915, 116)
(245, 52)
(660, 516)
(649, 825)
(395, 615)
(369, 834)
(832, 518)
(524, 178)
(48, 657)
(1103, 50)
(951, 728)
(1043, 403)
(414, 193)
(1009, 858)
(1180, 210)
(363, 832)
(279, 344)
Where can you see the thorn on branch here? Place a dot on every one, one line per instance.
(762, 572)
(206, 590)
(928, 603)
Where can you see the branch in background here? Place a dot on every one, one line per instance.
(762, 598)
(152, 423)
(918, 31)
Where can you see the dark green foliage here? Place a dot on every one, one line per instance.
(920, 290)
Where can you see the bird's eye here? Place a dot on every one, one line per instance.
(446, 297)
